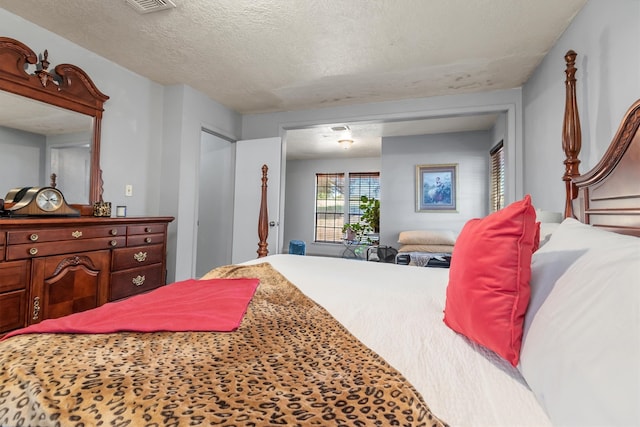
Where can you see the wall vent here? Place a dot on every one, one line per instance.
(147, 6)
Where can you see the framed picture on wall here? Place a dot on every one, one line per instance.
(436, 188)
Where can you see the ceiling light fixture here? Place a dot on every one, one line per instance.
(345, 143)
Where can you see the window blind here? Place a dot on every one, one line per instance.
(497, 177)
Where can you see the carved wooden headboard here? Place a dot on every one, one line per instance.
(608, 196)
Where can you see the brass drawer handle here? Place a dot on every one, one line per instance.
(33, 237)
(36, 308)
(147, 230)
(147, 240)
(114, 232)
(113, 243)
(33, 251)
(138, 281)
(76, 234)
(140, 256)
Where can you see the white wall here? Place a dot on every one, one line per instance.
(186, 112)
(401, 155)
(606, 37)
(300, 198)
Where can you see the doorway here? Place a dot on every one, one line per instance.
(215, 202)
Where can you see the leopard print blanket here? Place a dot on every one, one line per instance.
(290, 363)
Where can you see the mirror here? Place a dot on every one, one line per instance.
(49, 126)
(38, 140)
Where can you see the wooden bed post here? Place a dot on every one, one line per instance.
(263, 218)
(571, 135)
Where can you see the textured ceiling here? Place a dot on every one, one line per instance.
(258, 56)
(278, 55)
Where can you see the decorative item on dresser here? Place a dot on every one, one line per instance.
(53, 267)
(37, 201)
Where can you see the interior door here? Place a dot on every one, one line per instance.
(215, 202)
(250, 156)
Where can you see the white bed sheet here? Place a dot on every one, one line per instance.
(397, 311)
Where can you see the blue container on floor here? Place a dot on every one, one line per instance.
(297, 247)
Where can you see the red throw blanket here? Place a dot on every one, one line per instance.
(191, 305)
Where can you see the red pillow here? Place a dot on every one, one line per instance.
(488, 289)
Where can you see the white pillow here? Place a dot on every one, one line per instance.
(546, 230)
(581, 346)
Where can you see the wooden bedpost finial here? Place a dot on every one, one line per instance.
(571, 135)
(263, 219)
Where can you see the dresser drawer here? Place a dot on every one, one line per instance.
(146, 229)
(31, 250)
(2, 239)
(80, 233)
(14, 276)
(12, 307)
(145, 239)
(135, 257)
(136, 280)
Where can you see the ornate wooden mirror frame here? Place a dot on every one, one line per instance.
(68, 87)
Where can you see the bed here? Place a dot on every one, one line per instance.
(325, 341)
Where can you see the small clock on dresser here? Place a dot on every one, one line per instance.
(38, 201)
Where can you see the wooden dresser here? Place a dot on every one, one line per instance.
(51, 267)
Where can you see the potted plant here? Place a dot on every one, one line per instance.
(353, 232)
(370, 213)
(367, 229)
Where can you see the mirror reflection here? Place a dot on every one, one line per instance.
(39, 141)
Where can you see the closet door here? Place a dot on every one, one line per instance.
(250, 156)
(215, 203)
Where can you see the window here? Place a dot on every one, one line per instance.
(361, 184)
(329, 207)
(497, 177)
(331, 194)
